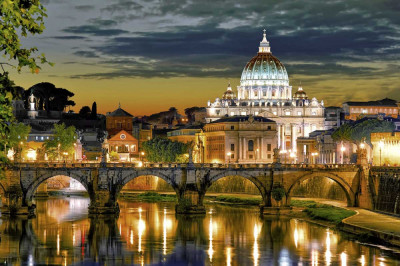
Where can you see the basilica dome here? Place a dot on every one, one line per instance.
(264, 69)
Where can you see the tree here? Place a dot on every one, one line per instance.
(85, 111)
(17, 137)
(189, 112)
(50, 97)
(361, 130)
(62, 143)
(93, 115)
(18, 19)
(163, 150)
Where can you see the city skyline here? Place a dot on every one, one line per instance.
(150, 56)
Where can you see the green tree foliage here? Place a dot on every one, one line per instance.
(63, 142)
(361, 130)
(18, 133)
(189, 112)
(163, 150)
(20, 18)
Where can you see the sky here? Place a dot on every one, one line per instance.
(153, 54)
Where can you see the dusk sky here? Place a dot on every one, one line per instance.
(151, 55)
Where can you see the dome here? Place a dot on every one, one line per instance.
(228, 94)
(300, 94)
(264, 69)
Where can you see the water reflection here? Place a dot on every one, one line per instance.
(147, 233)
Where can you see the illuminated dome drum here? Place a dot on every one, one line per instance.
(264, 76)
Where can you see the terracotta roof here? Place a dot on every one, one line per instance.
(120, 112)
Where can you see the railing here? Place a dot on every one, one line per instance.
(230, 166)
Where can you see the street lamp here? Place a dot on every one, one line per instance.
(229, 157)
(293, 156)
(284, 155)
(342, 149)
(381, 145)
(313, 157)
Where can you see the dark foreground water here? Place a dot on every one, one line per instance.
(149, 233)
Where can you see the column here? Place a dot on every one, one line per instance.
(258, 149)
(240, 146)
(283, 137)
(294, 137)
(244, 149)
(279, 135)
(261, 149)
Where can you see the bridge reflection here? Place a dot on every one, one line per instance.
(151, 233)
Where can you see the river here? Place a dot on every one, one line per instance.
(150, 233)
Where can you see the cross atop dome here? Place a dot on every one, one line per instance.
(264, 44)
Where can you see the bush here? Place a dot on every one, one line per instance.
(278, 193)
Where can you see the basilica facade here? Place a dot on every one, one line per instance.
(265, 91)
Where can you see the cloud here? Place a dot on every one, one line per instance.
(84, 8)
(87, 54)
(93, 30)
(68, 37)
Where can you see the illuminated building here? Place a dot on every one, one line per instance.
(117, 121)
(385, 108)
(124, 144)
(386, 148)
(264, 90)
(237, 139)
(185, 134)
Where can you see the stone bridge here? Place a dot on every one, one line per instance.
(104, 181)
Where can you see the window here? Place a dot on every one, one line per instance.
(264, 93)
(274, 112)
(232, 127)
(299, 113)
(217, 112)
(37, 138)
(250, 145)
(242, 113)
(269, 156)
(273, 93)
(313, 113)
(255, 113)
(269, 147)
(287, 113)
(232, 147)
(250, 156)
(232, 156)
(269, 128)
(232, 113)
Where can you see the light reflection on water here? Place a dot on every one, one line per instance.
(150, 233)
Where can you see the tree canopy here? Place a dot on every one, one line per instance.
(361, 130)
(62, 143)
(162, 150)
(20, 18)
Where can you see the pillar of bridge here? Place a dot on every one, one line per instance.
(12, 199)
(190, 201)
(41, 191)
(103, 198)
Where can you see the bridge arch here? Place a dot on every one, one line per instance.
(125, 180)
(254, 179)
(36, 182)
(346, 187)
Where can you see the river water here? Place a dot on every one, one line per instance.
(150, 233)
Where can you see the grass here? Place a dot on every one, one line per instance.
(151, 197)
(326, 212)
(237, 200)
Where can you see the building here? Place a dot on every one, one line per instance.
(265, 91)
(186, 134)
(125, 145)
(385, 107)
(237, 139)
(333, 117)
(318, 148)
(117, 121)
(386, 148)
(143, 132)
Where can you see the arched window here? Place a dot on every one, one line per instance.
(251, 145)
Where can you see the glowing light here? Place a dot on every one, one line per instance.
(210, 236)
(228, 256)
(362, 260)
(362, 145)
(165, 232)
(31, 155)
(343, 259)
(58, 242)
(256, 254)
(314, 257)
(342, 148)
(296, 235)
(141, 228)
(10, 154)
(328, 253)
(131, 237)
(140, 164)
